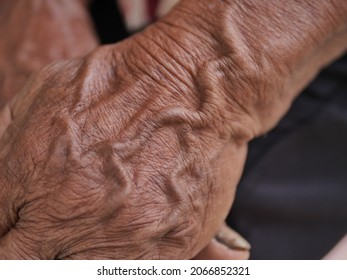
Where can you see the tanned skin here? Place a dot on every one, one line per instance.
(134, 150)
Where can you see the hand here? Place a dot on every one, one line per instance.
(37, 33)
(38, 49)
(126, 167)
(141, 146)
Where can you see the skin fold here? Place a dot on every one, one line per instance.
(134, 150)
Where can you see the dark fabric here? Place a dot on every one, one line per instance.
(108, 21)
(292, 200)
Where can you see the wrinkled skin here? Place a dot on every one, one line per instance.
(36, 33)
(106, 144)
(128, 164)
(135, 150)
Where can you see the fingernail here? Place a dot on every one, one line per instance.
(232, 239)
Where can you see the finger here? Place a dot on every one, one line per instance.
(215, 250)
(232, 239)
(227, 245)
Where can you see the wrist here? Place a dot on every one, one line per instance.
(220, 69)
(258, 56)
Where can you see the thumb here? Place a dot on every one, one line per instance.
(227, 245)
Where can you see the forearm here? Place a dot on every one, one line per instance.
(257, 55)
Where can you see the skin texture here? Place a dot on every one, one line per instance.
(37, 33)
(105, 171)
(42, 48)
(44, 43)
(134, 151)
